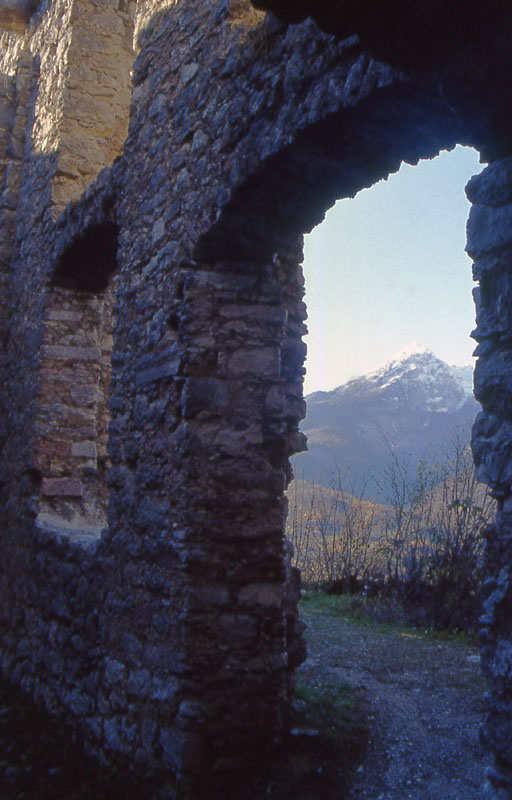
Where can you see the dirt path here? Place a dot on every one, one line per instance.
(423, 707)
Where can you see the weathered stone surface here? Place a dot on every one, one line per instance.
(261, 594)
(15, 14)
(62, 487)
(153, 355)
(236, 627)
(165, 365)
(203, 394)
(492, 451)
(84, 449)
(492, 187)
(489, 229)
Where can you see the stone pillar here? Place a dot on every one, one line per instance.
(241, 327)
(203, 423)
(490, 246)
(96, 95)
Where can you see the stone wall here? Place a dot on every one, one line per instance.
(146, 568)
(489, 244)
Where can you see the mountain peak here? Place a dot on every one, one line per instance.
(410, 406)
(412, 349)
(414, 359)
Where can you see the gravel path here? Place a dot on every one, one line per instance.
(423, 707)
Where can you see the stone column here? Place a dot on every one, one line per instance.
(490, 246)
(96, 95)
(239, 326)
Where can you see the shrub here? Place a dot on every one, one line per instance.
(423, 545)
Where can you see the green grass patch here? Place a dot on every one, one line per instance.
(384, 614)
(335, 710)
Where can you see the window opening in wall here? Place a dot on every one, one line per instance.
(388, 267)
(389, 383)
(75, 383)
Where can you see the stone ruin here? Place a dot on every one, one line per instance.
(159, 164)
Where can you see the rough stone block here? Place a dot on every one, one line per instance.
(47, 448)
(236, 627)
(203, 394)
(492, 451)
(166, 690)
(62, 315)
(164, 365)
(207, 596)
(139, 683)
(263, 594)
(61, 487)
(114, 671)
(84, 395)
(171, 743)
(133, 649)
(71, 353)
(488, 230)
(83, 449)
(263, 362)
(493, 187)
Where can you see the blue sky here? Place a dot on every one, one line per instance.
(388, 268)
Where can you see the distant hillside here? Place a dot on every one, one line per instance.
(408, 409)
(332, 532)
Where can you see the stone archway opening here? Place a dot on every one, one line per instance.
(384, 271)
(261, 228)
(388, 267)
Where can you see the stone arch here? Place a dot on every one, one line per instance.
(290, 191)
(287, 193)
(75, 381)
(255, 148)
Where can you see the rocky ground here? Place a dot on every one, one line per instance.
(383, 713)
(422, 699)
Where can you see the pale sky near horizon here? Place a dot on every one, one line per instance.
(387, 268)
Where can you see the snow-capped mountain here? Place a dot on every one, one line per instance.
(411, 406)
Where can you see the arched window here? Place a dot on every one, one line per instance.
(75, 381)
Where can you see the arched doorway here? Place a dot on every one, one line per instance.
(289, 191)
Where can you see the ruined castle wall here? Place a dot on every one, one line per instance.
(95, 633)
(84, 54)
(54, 118)
(171, 636)
(183, 603)
(239, 141)
(56, 624)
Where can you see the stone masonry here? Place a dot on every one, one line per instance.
(159, 163)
